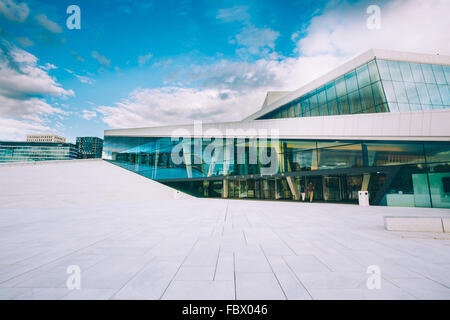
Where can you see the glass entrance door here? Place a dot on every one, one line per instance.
(331, 188)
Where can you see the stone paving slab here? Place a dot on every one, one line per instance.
(130, 244)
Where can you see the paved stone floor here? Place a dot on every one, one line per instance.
(130, 243)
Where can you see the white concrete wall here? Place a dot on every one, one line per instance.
(431, 125)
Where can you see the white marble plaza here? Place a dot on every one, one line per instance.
(131, 241)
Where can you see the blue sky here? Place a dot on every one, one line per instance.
(145, 63)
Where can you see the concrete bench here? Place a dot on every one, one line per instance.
(417, 224)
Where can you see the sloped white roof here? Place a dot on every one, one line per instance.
(347, 67)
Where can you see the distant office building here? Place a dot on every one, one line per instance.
(45, 138)
(15, 151)
(89, 147)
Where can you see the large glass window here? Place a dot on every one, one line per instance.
(343, 105)
(340, 87)
(382, 154)
(447, 73)
(389, 90)
(406, 72)
(378, 93)
(406, 86)
(439, 74)
(428, 73)
(409, 188)
(444, 91)
(423, 93)
(340, 156)
(435, 96)
(363, 76)
(367, 99)
(351, 81)
(411, 92)
(333, 108)
(355, 102)
(373, 71)
(331, 92)
(384, 70)
(394, 69)
(400, 92)
(417, 72)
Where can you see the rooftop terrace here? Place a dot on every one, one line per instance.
(132, 240)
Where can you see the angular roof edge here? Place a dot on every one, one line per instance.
(348, 66)
(273, 96)
(429, 125)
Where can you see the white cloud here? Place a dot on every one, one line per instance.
(24, 84)
(25, 42)
(144, 59)
(236, 13)
(255, 41)
(12, 129)
(47, 24)
(413, 25)
(88, 114)
(21, 76)
(226, 91)
(105, 62)
(83, 79)
(14, 11)
(48, 66)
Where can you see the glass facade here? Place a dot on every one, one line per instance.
(394, 173)
(377, 86)
(36, 151)
(89, 147)
(415, 86)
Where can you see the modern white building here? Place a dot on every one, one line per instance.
(379, 123)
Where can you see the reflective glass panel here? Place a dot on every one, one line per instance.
(406, 72)
(428, 73)
(351, 81)
(373, 71)
(363, 76)
(367, 99)
(384, 70)
(434, 94)
(423, 93)
(355, 102)
(340, 87)
(411, 92)
(378, 93)
(394, 70)
(417, 72)
(331, 92)
(445, 94)
(343, 105)
(389, 90)
(400, 92)
(447, 73)
(439, 74)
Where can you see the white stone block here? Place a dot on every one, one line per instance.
(413, 224)
(446, 224)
